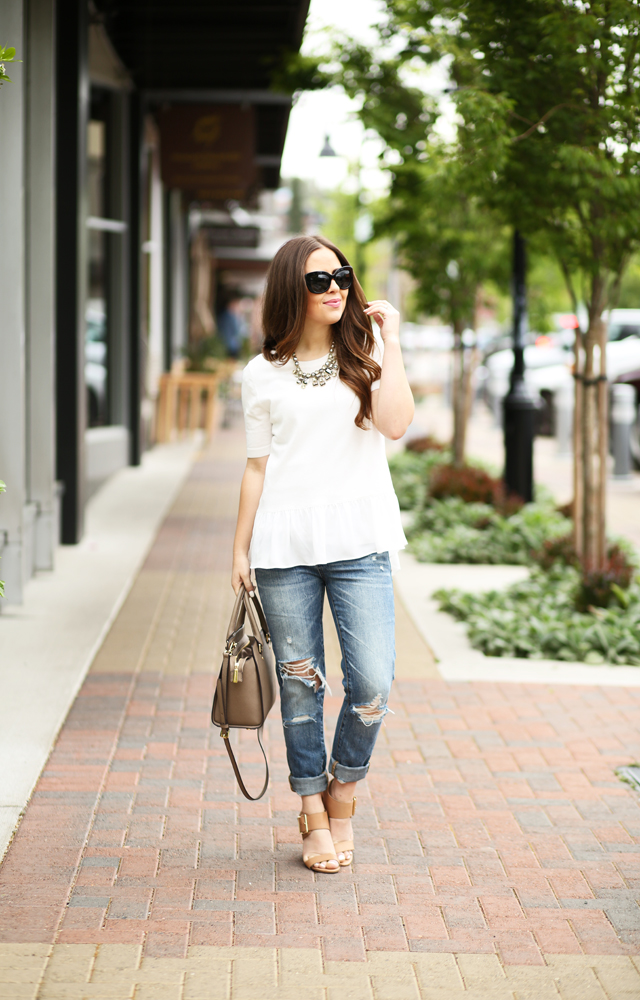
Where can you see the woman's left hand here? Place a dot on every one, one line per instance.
(387, 318)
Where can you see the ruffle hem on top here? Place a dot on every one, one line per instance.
(326, 533)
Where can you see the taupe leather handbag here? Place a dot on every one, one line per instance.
(246, 688)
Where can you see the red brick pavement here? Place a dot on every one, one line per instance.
(492, 820)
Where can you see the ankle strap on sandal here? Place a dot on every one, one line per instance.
(337, 809)
(313, 821)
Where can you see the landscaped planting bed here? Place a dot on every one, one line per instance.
(537, 619)
(452, 529)
(462, 516)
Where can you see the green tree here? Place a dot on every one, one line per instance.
(547, 95)
(451, 245)
(447, 238)
(630, 286)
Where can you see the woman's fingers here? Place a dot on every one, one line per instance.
(384, 308)
(241, 574)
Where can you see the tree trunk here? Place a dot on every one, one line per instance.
(591, 445)
(464, 363)
(457, 397)
(578, 405)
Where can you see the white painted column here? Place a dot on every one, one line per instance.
(40, 277)
(153, 250)
(12, 326)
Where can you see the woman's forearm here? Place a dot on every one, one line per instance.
(250, 493)
(392, 403)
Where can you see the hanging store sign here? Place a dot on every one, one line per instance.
(209, 150)
(232, 236)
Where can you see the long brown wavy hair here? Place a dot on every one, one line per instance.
(284, 312)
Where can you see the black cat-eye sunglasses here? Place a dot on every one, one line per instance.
(320, 281)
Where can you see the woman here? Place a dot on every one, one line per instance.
(318, 513)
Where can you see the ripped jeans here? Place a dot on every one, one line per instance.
(360, 594)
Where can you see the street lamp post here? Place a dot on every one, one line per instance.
(359, 237)
(519, 408)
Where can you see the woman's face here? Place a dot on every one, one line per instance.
(326, 307)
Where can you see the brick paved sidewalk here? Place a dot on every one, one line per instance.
(496, 851)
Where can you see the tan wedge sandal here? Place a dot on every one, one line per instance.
(340, 810)
(307, 822)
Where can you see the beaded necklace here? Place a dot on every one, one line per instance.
(320, 377)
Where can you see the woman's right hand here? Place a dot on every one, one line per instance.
(241, 573)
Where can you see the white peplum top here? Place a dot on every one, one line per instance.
(327, 494)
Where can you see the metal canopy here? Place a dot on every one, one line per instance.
(175, 46)
(202, 43)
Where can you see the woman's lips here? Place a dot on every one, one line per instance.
(332, 302)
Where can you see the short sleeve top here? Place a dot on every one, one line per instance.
(327, 494)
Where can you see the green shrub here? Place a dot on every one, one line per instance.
(473, 485)
(554, 550)
(198, 354)
(410, 473)
(537, 619)
(426, 443)
(452, 531)
(602, 587)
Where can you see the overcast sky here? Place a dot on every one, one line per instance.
(319, 113)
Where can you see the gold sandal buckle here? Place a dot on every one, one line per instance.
(303, 824)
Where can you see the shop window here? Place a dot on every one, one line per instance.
(96, 338)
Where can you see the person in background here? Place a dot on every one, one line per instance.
(231, 325)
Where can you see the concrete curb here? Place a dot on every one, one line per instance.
(457, 659)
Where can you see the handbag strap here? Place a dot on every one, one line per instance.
(234, 764)
(224, 733)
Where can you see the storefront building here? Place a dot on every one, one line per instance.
(120, 119)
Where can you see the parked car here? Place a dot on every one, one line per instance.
(633, 378)
(549, 365)
(545, 356)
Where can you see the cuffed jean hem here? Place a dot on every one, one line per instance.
(309, 786)
(345, 774)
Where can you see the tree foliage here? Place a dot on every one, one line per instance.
(547, 95)
(446, 239)
(7, 55)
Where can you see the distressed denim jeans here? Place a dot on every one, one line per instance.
(360, 594)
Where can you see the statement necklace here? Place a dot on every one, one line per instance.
(322, 375)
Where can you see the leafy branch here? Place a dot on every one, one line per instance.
(7, 55)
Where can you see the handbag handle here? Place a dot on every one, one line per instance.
(248, 604)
